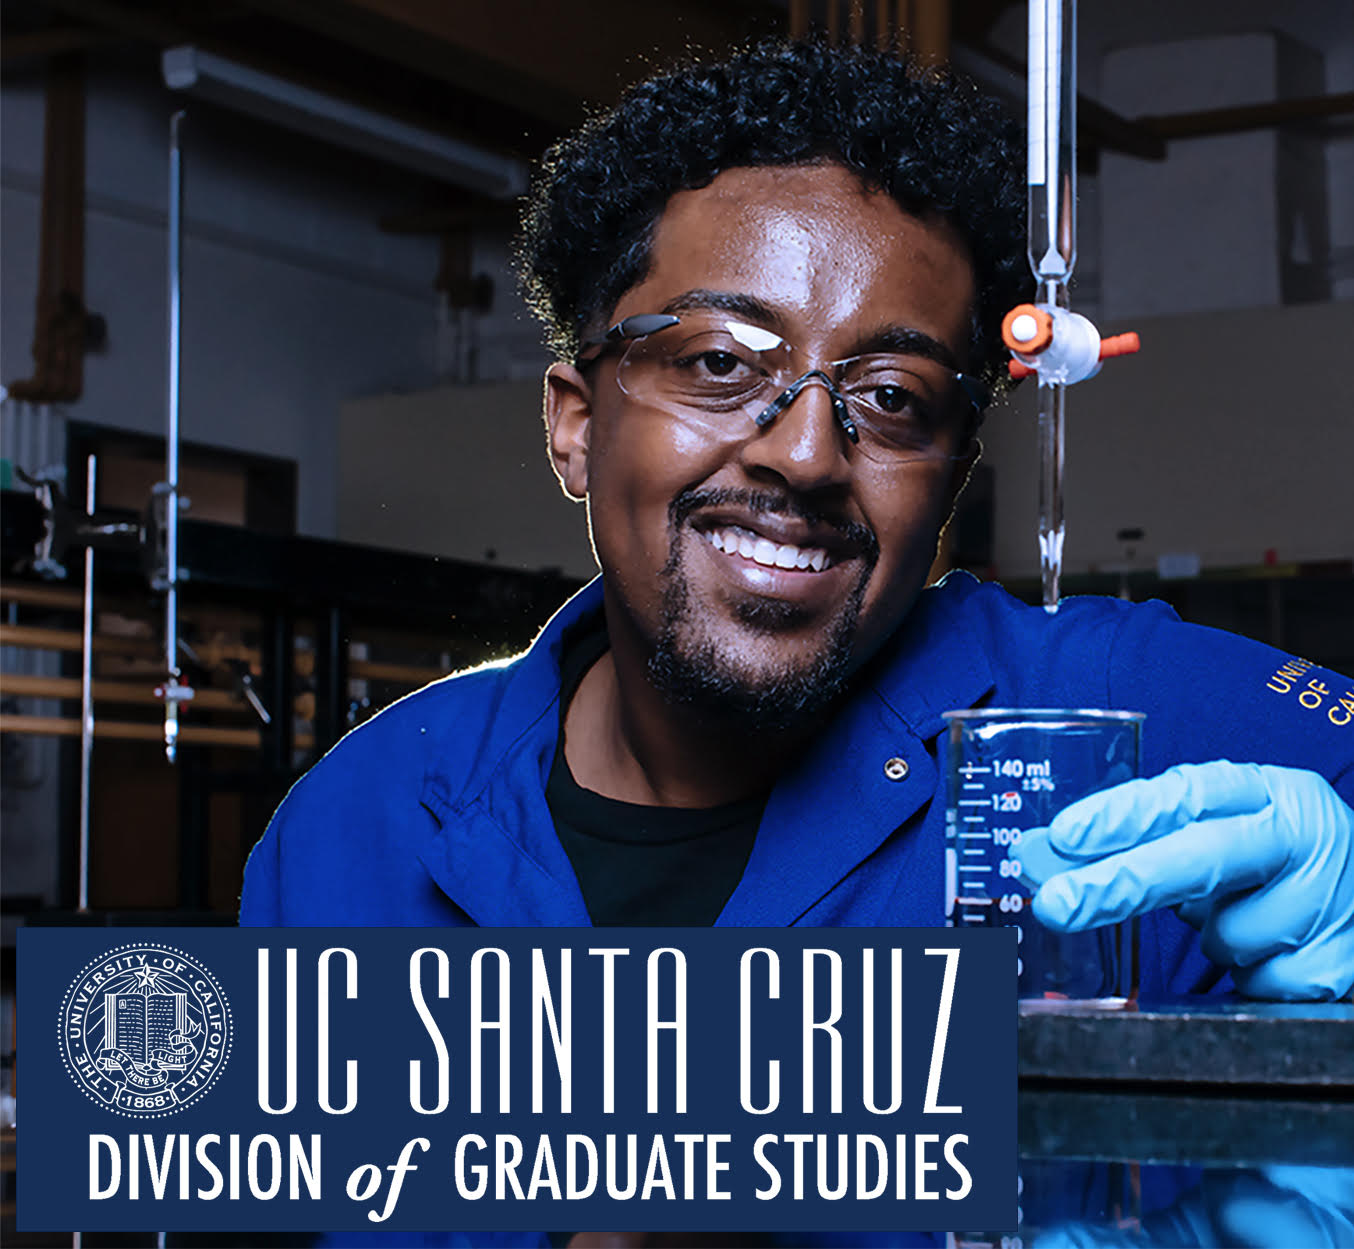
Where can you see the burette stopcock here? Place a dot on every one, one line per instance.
(1063, 347)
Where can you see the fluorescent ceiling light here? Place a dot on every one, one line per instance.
(327, 117)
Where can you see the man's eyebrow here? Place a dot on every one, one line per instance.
(747, 306)
(903, 341)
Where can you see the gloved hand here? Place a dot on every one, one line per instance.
(1277, 1207)
(1259, 859)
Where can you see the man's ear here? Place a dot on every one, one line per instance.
(568, 422)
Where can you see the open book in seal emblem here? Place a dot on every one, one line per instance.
(145, 1029)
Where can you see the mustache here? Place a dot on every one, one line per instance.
(774, 503)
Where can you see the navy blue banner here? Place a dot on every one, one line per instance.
(858, 1079)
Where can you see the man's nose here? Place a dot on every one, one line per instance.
(804, 443)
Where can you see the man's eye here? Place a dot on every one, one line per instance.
(714, 364)
(719, 363)
(892, 399)
(895, 403)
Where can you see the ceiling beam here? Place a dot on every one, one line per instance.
(51, 41)
(1247, 116)
(139, 24)
(551, 60)
(203, 27)
(429, 57)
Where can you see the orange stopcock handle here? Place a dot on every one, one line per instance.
(1028, 332)
(1120, 345)
(1027, 329)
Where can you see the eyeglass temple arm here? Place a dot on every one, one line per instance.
(978, 394)
(638, 326)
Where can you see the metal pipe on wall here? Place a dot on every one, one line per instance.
(169, 488)
(87, 693)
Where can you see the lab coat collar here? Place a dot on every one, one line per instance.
(496, 854)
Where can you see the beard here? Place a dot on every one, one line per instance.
(690, 667)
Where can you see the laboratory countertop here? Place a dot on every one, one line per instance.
(1184, 1124)
(1198, 1129)
(1222, 1044)
(1123, 1166)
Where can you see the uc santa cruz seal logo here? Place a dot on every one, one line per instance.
(145, 1029)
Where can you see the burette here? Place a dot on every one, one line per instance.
(1045, 337)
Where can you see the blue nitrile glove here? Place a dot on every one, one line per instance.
(1259, 859)
(1280, 1207)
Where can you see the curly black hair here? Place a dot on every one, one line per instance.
(928, 139)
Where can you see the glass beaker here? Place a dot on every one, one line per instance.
(1010, 771)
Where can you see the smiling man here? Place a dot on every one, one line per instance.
(774, 287)
(749, 576)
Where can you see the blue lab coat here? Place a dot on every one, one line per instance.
(434, 813)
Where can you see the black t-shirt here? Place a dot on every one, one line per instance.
(639, 865)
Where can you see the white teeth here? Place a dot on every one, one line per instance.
(765, 552)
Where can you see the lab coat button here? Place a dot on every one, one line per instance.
(896, 769)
